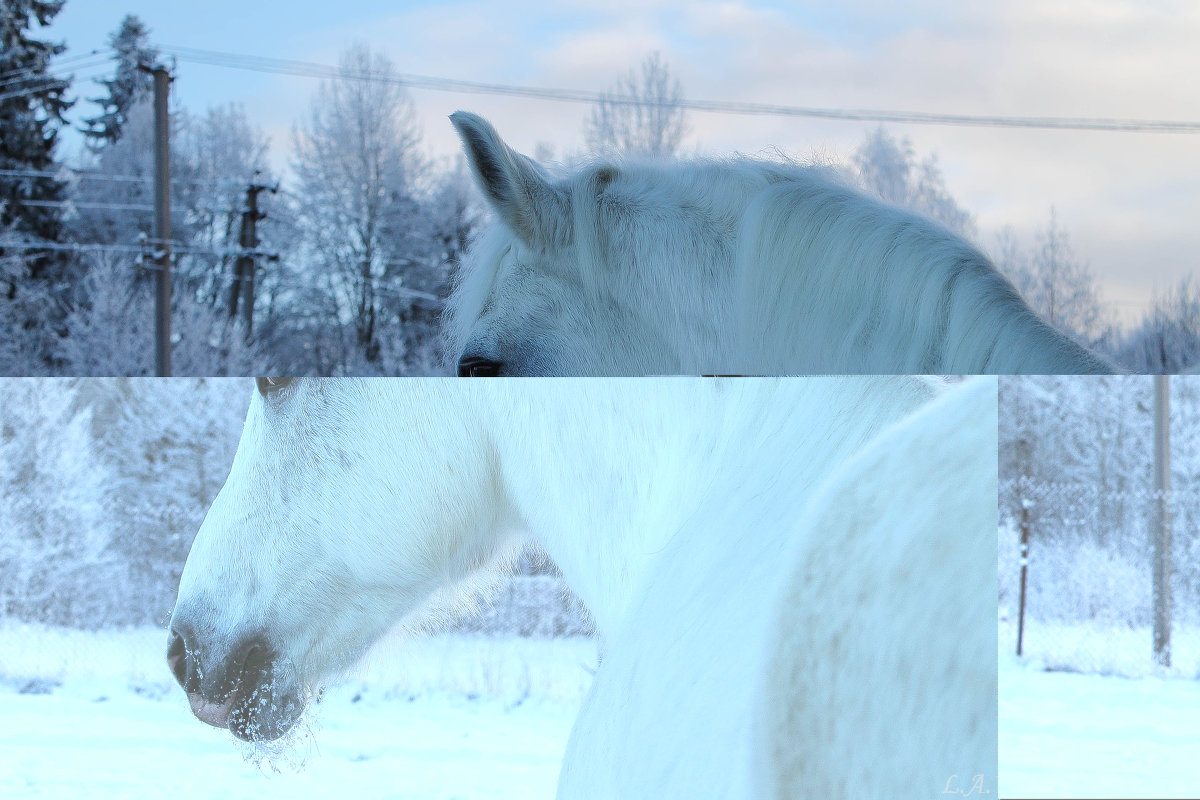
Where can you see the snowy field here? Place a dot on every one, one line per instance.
(452, 716)
(1071, 735)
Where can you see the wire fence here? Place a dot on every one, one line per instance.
(1088, 599)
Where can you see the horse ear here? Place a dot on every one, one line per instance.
(515, 186)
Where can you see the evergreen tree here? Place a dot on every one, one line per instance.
(33, 283)
(31, 114)
(131, 41)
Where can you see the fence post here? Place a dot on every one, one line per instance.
(1024, 573)
(1162, 520)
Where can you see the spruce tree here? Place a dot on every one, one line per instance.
(31, 114)
(131, 41)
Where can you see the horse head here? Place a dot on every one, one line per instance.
(336, 522)
(600, 273)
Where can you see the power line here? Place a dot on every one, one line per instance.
(113, 206)
(17, 75)
(148, 248)
(41, 85)
(73, 247)
(314, 70)
(85, 204)
(90, 175)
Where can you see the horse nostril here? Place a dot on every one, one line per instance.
(177, 658)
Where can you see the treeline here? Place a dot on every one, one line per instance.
(1077, 466)
(1097, 433)
(352, 255)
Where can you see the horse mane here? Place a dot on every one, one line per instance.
(895, 291)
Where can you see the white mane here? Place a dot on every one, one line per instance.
(727, 266)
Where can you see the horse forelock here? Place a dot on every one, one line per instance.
(655, 244)
(473, 283)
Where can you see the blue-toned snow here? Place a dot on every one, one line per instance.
(97, 715)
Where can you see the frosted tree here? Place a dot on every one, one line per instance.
(457, 212)
(221, 153)
(103, 485)
(641, 114)
(167, 446)
(359, 204)
(890, 169)
(213, 158)
(107, 181)
(1167, 340)
(31, 114)
(131, 43)
(57, 540)
(113, 332)
(1057, 283)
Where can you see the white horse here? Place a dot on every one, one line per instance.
(793, 579)
(725, 267)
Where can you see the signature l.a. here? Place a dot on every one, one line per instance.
(954, 785)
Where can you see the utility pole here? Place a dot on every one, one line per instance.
(244, 267)
(1162, 520)
(162, 220)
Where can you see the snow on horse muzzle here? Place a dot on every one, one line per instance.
(248, 690)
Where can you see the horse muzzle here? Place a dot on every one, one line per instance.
(249, 690)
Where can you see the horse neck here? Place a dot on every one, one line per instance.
(606, 476)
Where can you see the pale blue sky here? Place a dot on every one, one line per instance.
(1129, 201)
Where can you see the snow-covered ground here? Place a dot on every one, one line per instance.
(1072, 735)
(453, 716)
(1103, 647)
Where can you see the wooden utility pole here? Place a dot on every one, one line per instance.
(1162, 520)
(162, 220)
(244, 267)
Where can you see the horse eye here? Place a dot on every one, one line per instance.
(477, 367)
(266, 385)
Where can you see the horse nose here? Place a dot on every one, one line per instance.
(181, 660)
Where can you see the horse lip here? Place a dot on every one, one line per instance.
(215, 714)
